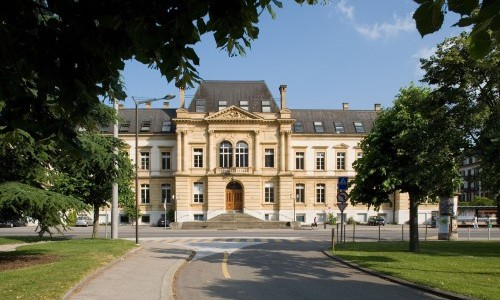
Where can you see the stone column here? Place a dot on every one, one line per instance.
(211, 152)
(179, 151)
(282, 150)
(257, 159)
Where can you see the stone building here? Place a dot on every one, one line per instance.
(233, 148)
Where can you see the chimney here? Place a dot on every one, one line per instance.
(181, 97)
(165, 104)
(148, 105)
(283, 96)
(377, 107)
(121, 106)
(345, 106)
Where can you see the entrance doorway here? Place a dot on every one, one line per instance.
(234, 196)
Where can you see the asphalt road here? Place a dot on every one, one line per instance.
(361, 233)
(280, 269)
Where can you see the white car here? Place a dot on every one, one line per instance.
(82, 221)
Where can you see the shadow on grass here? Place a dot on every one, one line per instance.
(28, 239)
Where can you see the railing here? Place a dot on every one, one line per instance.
(211, 212)
(233, 170)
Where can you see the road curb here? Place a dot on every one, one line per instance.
(173, 280)
(98, 272)
(440, 293)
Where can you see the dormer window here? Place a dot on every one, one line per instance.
(318, 127)
(125, 126)
(145, 126)
(266, 106)
(166, 126)
(244, 104)
(200, 105)
(298, 126)
(339, 127)
(222, 104)
(358, 126)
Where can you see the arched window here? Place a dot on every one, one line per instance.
(225, 155)
(242, 154)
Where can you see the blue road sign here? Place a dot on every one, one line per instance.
(342, 185)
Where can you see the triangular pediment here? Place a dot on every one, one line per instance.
(233, 113)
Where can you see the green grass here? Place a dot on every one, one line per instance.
(466, 268)
(74, 260)
(27, 239)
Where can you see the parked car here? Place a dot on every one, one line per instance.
(20, 223)
(376, 221)
(83, 221)
(161, 223)
(5, 224)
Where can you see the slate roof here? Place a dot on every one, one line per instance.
(328, 117)
(254, 92)
(233, 92)
(154, 115)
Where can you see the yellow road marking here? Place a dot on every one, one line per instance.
(224, 266)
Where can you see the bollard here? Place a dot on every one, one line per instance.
(489, 229)
(379, 233)
(402, 233)
(353, 232)
(468, 233)
(333, 239)
(426, 232)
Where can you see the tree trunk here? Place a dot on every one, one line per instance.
(95, 224)
(414, 242)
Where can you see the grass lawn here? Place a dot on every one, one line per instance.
(466, 268)
(26, 239)
(50, 270)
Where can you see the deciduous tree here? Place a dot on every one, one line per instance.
(411, 148)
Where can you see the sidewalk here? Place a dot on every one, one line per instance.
(147, 273)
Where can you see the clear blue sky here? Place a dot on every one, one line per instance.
(356, 51)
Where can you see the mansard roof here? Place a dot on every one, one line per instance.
(329, 117)
(213, 91)
(155, 116)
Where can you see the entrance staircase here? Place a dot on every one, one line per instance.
(235, 220)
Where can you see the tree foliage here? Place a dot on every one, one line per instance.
(470, 90)
(89, 177)
(18, 200)
(483, 15)
(411, 148)
(59, 58)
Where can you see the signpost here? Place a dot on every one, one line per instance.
(342, 202)
(342, 184)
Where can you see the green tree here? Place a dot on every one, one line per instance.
(89, 177)
(470, 91)
(411, 148)
(59, 58)
(483, 15)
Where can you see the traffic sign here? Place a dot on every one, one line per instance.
(342, 184)
(342, 197)
(342, 206)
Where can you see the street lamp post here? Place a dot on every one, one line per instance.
(137, 102)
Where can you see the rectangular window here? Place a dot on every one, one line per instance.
(222, 104)
(340, 160)
(300, 193)
(266, 106)
(145, 218)
(300, 218)
(124, 219)
(320, 193)
(198, 192)
(145, 126)
(298, 127)
(144, 160)
(299, 160)
(244, 104)
(269, 158)
(269, 192)
(358, 126)
(199, 217)
(166, 193)
(125, 127)
(200, 105)
(166, 126)
(145, 193)
(320, 160)
(198, 158)
(339, 127)
(318, 127)
(359, 155)
(166, 161)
